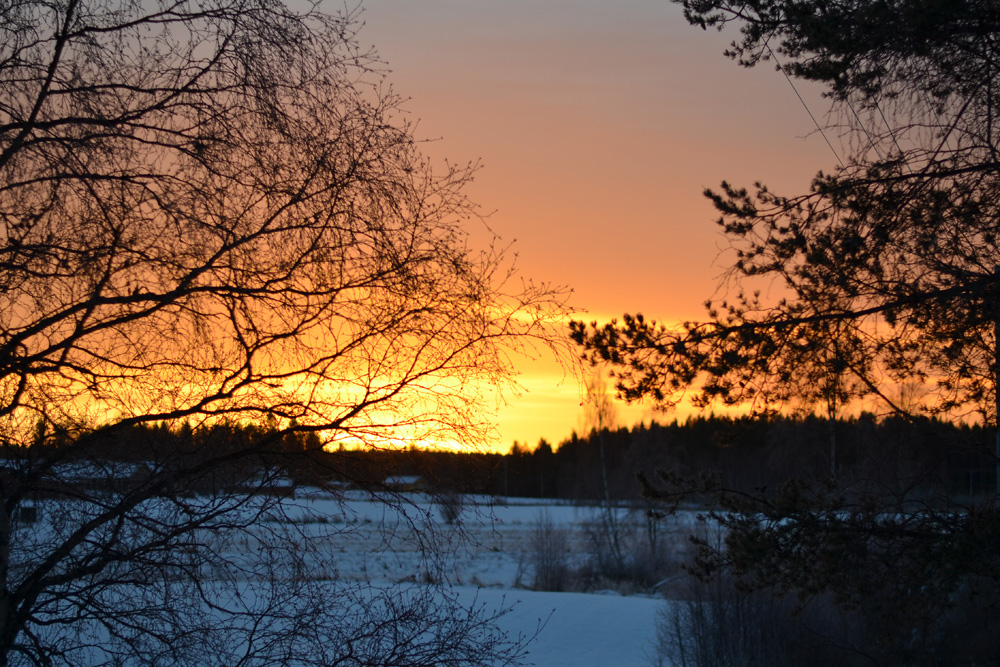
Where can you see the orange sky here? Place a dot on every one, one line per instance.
(598, 125)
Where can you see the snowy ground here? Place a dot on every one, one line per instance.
(581, 628)
(486, 559)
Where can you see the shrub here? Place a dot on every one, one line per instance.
(628, 550)
(549, 555)
(718, 624)
(451, 504)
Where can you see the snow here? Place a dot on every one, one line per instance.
(579, 629)
(484, 558)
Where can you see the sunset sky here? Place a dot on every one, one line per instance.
(598, 126)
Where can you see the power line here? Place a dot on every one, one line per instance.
(888, 127)
(864, 129)
(804, 105)
(861, 124)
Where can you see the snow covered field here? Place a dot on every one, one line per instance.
(394, 542)
(485, 556)
(582, 628)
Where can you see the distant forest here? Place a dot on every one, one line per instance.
(929, 458)
(893, 455)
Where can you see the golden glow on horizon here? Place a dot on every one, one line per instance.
(598, 126)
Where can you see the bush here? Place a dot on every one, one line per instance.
(557, 565)
(550, 555)
(717, 624)
(451, 504)
(627, 552)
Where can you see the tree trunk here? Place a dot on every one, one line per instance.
(7, 631)
(996, 368)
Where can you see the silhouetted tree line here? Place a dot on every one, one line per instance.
(892, 455)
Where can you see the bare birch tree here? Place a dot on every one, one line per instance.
(213, 211)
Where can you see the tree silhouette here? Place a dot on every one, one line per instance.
(599, 417)
(886, 273)
(887, 267)
(210, 213)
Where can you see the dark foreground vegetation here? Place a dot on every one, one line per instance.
(881, 277)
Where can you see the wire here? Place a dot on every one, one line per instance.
(861, 124)
(864, 129)
(805, 106)
(888, 127)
